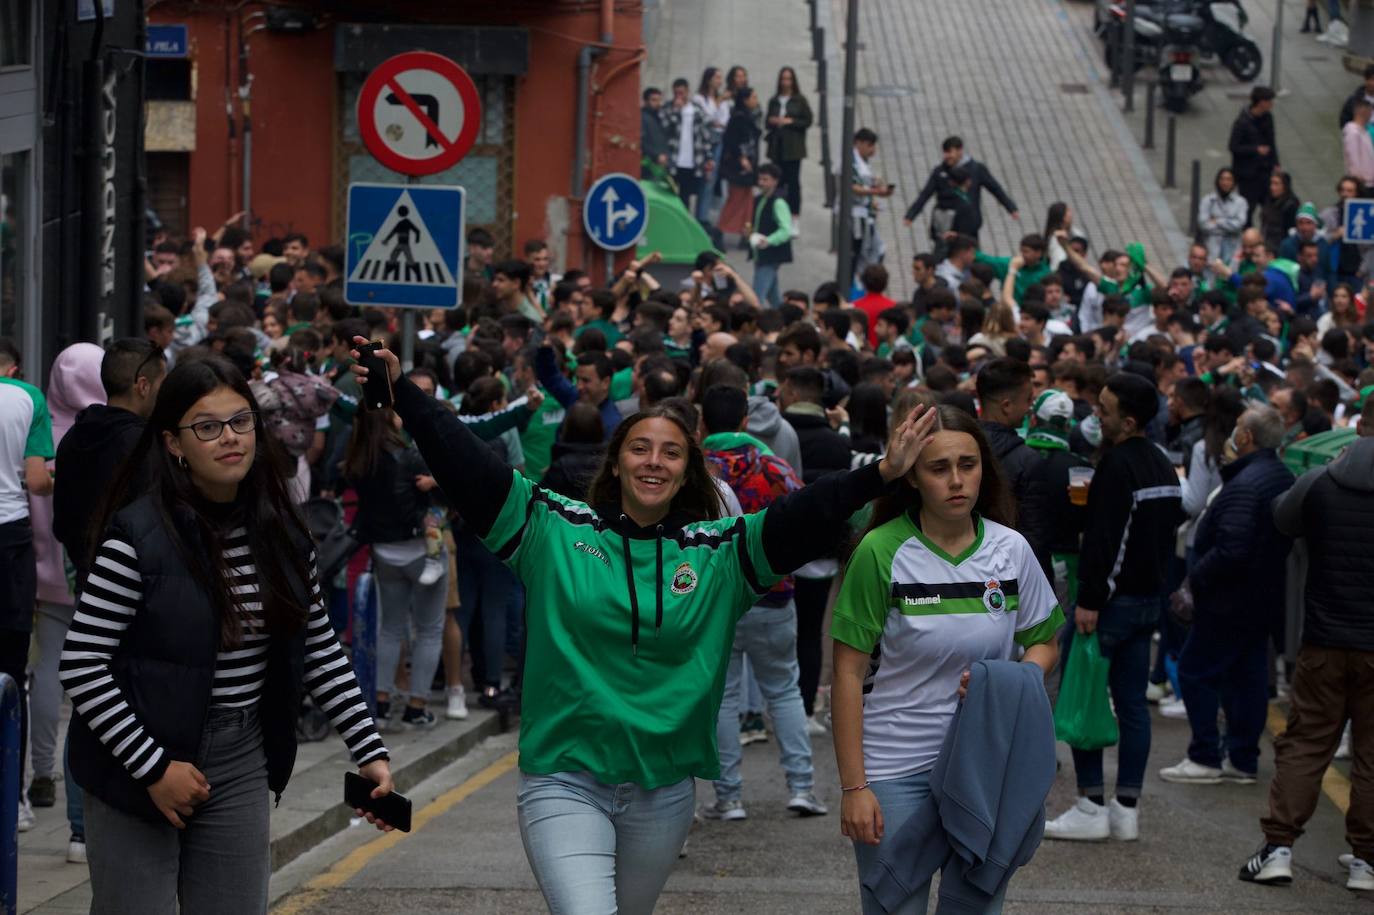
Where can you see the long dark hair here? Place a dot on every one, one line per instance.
(374, 431)
(796, 84)
(704, 89)
(868, 412)
(1223, 412)
(1216, 182)
(1054, 218)
(262, 505)
(730, 75)
(698, 498)
(994, 498)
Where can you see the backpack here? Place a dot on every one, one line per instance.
(291, 403)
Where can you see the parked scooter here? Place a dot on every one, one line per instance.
(1168, 38)
(1224, 35)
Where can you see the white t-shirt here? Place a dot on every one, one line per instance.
(25, 432)
(686, 146)
(930, 616)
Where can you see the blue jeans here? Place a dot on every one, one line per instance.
(766, 284)
(1124, 630)
(1225, 667)
(768, 635)
(599, 849)
(706, 200)
(898, 798)
(75, 815)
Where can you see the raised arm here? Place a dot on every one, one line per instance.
(1080, 263)
(474, 479)
(552, 380)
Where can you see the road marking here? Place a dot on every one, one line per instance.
(349, 867)
(1335, 786)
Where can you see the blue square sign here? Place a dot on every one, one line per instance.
(405, 246)
(1359, 222)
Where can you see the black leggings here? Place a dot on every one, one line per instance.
(811, 595)
(791, 181)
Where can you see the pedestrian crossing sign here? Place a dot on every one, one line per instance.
(405, 245)
(1358, 222)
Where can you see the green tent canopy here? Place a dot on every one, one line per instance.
(672, 230)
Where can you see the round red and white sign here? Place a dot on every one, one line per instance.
(419, 113)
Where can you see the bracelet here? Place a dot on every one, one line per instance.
(855, 788)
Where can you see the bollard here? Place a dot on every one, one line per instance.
(365, 639)
(1115, 39)
(9, 793)
(818, 44)
(1170, 141)
(1150, 115)
(1195, 198)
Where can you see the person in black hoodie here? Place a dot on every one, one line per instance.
(1004, 398)
(103, 436)
(1134, 507)
(945, 190)
(1254, 152)
(578, 453)
(823, 450)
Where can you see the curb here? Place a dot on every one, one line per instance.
(286, 848)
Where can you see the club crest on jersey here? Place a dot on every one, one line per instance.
(684, 579)
(993, 597)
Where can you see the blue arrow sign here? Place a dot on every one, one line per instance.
(405, 245)
(1359, 222)
(615, 212)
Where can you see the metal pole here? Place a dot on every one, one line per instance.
(1275, 53)
(1150, 115)
(1170, 148)
(844, 274)
(1128, 59)
(407, 339)
(1194, 198)
(610, 269)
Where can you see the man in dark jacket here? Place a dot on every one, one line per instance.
(1051, 425)
(1237, 583)
(1254, 153)
(1004, 397)
(1134, 508)
(1332, 507)
(945, 191)
(653, 137)
(823, 450)
(1366, 92)
(93, 450)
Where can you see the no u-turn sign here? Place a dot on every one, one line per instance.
(419, 113)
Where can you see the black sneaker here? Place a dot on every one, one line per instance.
(1272, 865)
(418, 717)
(43, 792)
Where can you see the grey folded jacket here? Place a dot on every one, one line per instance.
(985, 815)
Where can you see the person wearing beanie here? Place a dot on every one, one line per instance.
(1051, 422)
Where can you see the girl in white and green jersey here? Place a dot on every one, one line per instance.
(939, 581)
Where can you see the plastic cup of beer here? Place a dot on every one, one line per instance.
(1080, 478)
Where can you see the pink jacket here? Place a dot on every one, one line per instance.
(1359, 152)
(72, 387)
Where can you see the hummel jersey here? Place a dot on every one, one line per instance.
(927, 616)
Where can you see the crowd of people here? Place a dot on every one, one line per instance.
(642, 516)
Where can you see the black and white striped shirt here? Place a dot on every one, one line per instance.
(113, 596)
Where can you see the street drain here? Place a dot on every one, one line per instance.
(888, 91)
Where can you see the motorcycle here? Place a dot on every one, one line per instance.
(1167, 37)
(1223, 33)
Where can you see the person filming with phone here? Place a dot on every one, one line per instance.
(191, 645)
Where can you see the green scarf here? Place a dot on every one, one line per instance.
(728, 441)
(1047, 439)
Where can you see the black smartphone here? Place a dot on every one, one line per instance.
(377, 393)
(393, 809)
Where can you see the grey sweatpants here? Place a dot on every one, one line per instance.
(217, 865)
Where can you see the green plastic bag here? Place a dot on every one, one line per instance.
(1083, 716)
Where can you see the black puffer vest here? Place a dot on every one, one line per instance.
(165, 666)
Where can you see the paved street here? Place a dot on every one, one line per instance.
(468, 857)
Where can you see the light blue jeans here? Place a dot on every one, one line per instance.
(768, 635)
(601, 849)
(766, 284)
(898, 798)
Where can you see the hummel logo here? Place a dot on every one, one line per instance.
(921, 601)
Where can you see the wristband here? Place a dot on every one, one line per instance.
(855, 788)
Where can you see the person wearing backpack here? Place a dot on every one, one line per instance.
(295, 404)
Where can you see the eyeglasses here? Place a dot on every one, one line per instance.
(207, 430)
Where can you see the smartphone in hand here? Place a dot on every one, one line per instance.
(393, 809)
(377, 392)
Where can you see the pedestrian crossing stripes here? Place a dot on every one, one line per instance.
(381, 270)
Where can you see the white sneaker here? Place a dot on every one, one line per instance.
(26, 817)
(1189, 772)
(76, 851)
(1157, 692)
(457, 708)
(814, 727)
(724, 810)
(433, 570)
(1083, 822)
(807, 804)
(1124, 821)
(1229, 773)
(1269, 865)
(1361, 875)
(1343, 751)
(1337, 34)
(1173, 708)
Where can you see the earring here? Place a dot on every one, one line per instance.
(181, 462)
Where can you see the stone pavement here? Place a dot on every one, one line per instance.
(311, 809)
(467, 857)
(1014, 80)
(1314, 84)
